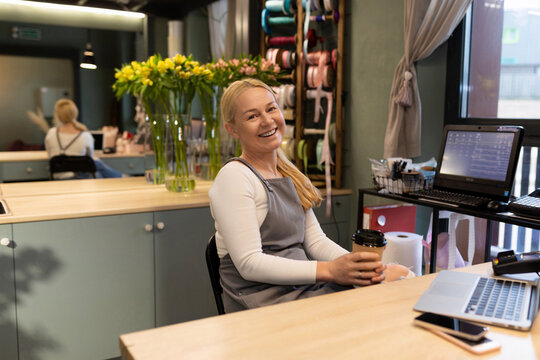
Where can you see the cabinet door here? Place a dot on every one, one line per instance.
(336, 227)
(126, 165)
(8, 324)
(81, 283)
(183, 290)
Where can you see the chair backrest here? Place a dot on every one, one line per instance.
(212, 262)
(77, 164)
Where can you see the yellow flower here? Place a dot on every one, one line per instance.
(147, 82)
(179, 59)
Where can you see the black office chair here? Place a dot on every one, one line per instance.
(212, 262)
(76, 164)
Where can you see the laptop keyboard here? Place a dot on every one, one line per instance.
(464, 200)
(500, 299)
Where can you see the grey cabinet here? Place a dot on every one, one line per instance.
(8, 324)
(81, 283)
(183, 289)
(336, 227)
(24, 171)
(126, 165)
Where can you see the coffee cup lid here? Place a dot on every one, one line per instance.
(369, 237)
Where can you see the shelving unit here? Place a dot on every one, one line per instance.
(333, 34)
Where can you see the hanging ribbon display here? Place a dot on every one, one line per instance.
(326, 156)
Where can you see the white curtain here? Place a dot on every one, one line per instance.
(427, 24)
(217, 21)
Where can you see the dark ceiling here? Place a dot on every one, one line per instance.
(170, 9)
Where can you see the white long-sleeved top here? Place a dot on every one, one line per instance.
(239, 205)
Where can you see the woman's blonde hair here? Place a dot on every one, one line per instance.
(309, 195)
(66, 112)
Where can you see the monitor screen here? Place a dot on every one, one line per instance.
(483, 155)
(98, 139)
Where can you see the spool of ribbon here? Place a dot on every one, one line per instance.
(285, 95)
(286, 59)
(330, 5)
(325, 17)
(280, 40)
(320, 75)
(268, 22)
(287, 146)
(302, 153)
(287, 7)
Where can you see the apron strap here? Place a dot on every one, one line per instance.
(243, 161)
(63, 149)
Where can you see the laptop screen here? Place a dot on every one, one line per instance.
(98, 139)
(479, 159)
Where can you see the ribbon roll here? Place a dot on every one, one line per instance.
(330, 5)
(274, 5)
(322, 18)
(267, 21)
(319, 152)
(285, 95)
(316, 77)
(280, 40)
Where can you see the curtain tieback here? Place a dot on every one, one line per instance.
(404, 96)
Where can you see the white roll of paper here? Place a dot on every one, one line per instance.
(404, 248)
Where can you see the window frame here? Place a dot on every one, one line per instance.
(455, 59)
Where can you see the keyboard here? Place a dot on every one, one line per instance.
(495, 298)
(452, 198)
(527, 205)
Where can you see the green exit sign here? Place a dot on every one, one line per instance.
(25, 33)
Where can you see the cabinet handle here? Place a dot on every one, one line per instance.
(160, 225)
(29, 170)
(5, 241)
(148, 227)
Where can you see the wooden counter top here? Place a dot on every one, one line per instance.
(374, 322)
(41, 155)
(51, 200)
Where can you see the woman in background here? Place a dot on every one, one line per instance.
(271, 246)
(72, 138)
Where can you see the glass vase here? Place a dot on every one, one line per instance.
(154, 146)
(178, 177)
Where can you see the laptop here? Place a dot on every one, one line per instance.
(98, 139)
(475, 161)
(510, 301)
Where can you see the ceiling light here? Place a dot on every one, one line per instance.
(88, 60)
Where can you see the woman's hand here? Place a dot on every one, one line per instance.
(395, 272)
(358, 268)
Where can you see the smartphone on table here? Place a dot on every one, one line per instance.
(478, 347)
(452, 326)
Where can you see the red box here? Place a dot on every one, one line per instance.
(395, 217)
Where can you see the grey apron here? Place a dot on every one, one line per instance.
(282, 234)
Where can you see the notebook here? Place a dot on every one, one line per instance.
(478, 160)
(513, 303)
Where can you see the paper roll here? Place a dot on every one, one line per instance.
(404, 248)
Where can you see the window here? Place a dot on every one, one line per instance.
(493, 77)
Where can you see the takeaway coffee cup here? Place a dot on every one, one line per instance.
(368, 240)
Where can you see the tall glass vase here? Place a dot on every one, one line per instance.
(154, 145)
(178, 178)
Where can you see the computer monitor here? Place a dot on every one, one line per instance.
(98, 139)
(479, 159)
